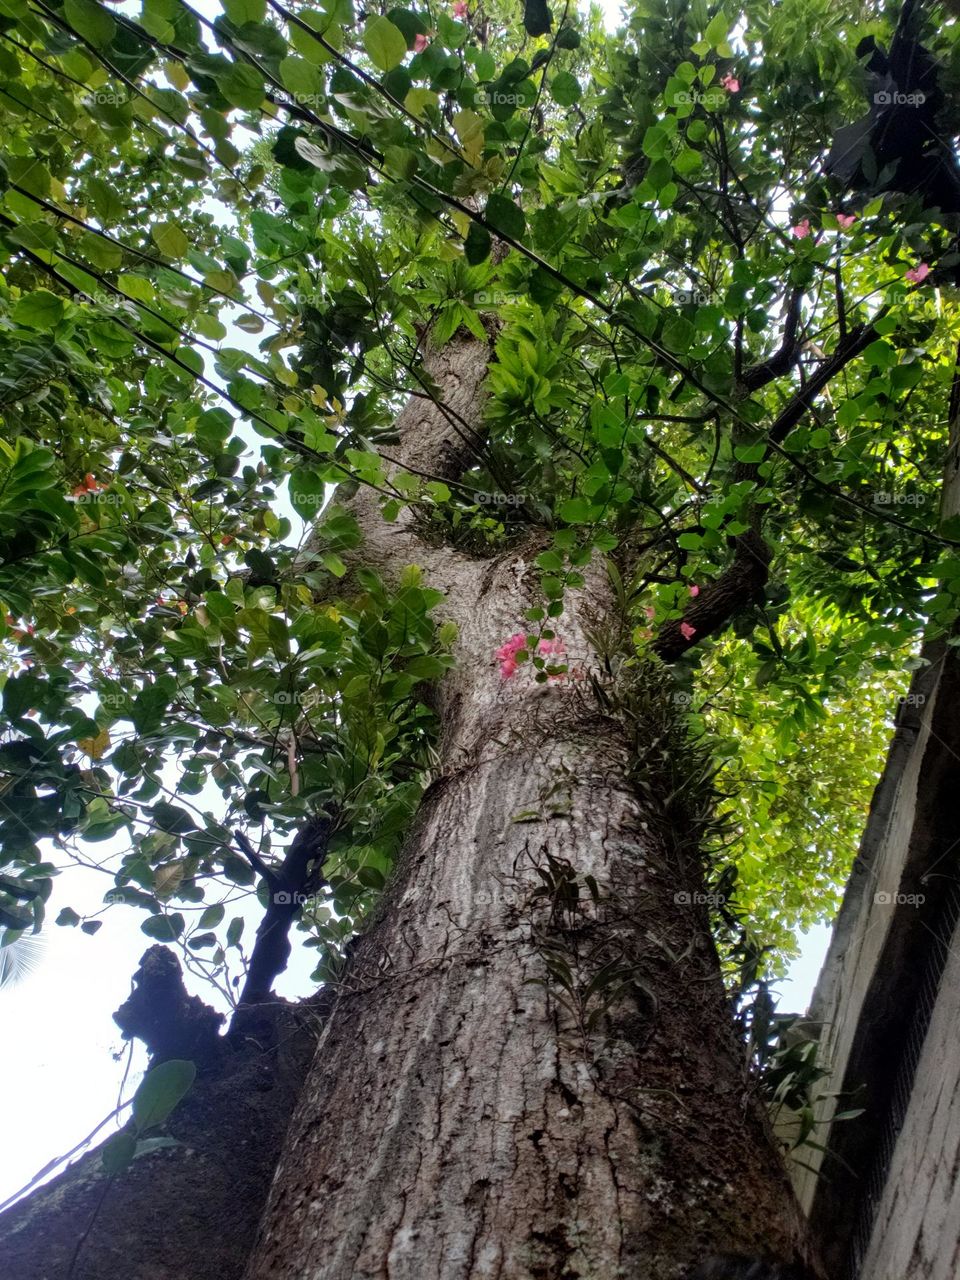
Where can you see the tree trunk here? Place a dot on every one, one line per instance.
(530, 1069)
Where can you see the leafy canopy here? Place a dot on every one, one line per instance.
(224, 234)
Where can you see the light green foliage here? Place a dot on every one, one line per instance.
(162, 631)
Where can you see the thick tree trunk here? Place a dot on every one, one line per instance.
(482, 1102)
(529, 1070)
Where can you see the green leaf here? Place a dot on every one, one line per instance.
(170, 239)
(505, 216)
(476, 247)
(565, 89)
(575, 511)
(91, 21)
(750, 452)
(881, 354)
(159, 1092)
(384, 43)
(302, 78)
(537, 18)
(164, 928)
(242, 85)
(426, 667)
(717, 29)
(148, 708)
(39, 310)
(371, 877)
(242, 11)
(308, 491)
(117, 1152)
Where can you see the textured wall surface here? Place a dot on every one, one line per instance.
(916, 1234)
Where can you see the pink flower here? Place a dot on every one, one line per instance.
(687, 631)
(694, 590)
(507, 654)
(802, 229)
(420, 42)
(917, 275)
(556, 647)
(846, 220)
(649, 610)
(460, 8)
(730, 83)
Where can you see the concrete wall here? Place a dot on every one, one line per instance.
(862, 924)
(881, 1198)
(916, 1231)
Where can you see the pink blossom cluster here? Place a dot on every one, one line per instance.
(507, 653)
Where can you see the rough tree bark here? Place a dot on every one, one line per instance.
(529, 1071)
(476, 1107)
